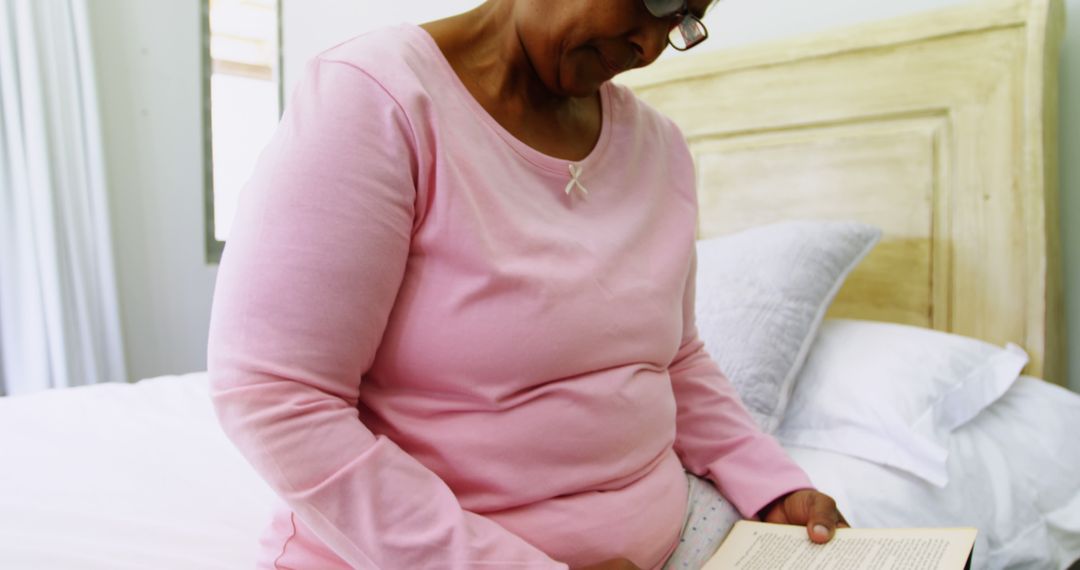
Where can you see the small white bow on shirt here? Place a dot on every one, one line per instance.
(575, 172)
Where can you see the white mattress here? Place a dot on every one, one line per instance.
(125, 476)
(140, 476)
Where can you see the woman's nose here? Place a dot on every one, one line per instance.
(651, 38)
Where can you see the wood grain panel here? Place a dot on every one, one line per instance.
(879, 171)
(938, 128)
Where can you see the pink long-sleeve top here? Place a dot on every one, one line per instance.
(442, 352)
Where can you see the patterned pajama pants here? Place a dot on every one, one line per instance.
(708, 519)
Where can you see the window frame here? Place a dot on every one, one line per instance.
(213, 246)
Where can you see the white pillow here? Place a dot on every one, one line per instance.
(892, 393)
(1012, 474)
(761, 295)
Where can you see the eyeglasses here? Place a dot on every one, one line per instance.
(688, 32)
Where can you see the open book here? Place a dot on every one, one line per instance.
(765, 546)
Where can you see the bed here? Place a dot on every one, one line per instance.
(912, 166)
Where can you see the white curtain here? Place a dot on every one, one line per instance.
(59, 317)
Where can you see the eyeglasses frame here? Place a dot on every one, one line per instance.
(686, 17)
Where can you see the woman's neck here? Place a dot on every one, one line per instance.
(486, 52)
(484, 48)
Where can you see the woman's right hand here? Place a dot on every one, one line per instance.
(613, 564)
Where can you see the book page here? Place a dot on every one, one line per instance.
(763, 546)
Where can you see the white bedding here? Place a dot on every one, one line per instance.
(140, 476)
(1014, 473)
(125, 476)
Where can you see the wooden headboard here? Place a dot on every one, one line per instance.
(940, 128)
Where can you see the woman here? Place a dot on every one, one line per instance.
(453, 327)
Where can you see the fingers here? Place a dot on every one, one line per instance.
(824, 518)
(777, 514)
(814, 509)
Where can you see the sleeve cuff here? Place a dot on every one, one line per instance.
(755, 475)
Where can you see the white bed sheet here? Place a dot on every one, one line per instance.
(1014, 473)
(125, 476)
(140, 476)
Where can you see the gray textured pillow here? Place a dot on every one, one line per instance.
(761, 296)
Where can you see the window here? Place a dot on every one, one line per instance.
(242, 101)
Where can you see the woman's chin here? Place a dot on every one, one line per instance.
(583, 86)
(586, 91)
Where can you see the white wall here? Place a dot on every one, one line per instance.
(148, 63)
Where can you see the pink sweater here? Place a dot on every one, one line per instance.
(440, 358)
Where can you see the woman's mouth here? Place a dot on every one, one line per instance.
(613, 66)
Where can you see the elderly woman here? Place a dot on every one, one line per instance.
(453, 326)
